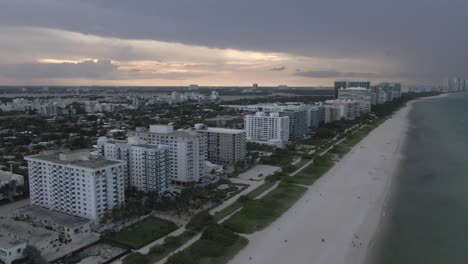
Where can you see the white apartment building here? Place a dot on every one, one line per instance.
(147, 165)
(325, 113)
(75, 183)
(313, 116)
(187, 150)
(225, 146)
(265, 128)
(347, 109)
(361, 95)
(268, 107)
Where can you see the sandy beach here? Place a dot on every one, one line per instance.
(337, 218)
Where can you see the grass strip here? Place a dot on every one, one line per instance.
(258, 214)
(141, 233)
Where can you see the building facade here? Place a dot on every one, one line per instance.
(187, 151)
(75, 183)
(348, 84)
(147, 165)
(361, 95)
(267, 128)
(313, 116)
(225, 146)
(297, 122)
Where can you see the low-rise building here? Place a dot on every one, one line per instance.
(69, 227)
(11, 185)
(10, 249)
(41, 238)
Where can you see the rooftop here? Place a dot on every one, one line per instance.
(6, 176)
(355, 88)
(7, 242)
(24, 231)
(74, 158)
(223, 130)
(53, 216)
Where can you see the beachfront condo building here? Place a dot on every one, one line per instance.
(297, 122)
(267, 128)
(76, 183)
(348, 84)
(147, 165)
(359, 94)
(225, 146)
(187, 150)
(313, 116)
(347, 109)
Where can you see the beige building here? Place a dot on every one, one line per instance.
(225, 146)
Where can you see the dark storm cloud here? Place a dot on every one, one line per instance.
(282, 68)
(339, 74)
(422, 36)
(85, 69)
(100, 70)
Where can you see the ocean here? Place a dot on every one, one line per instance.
(427, 217)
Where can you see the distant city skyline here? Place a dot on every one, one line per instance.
(304, 43)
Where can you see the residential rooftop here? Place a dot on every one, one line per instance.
(7, 242)
(52, 216)
(24, 231)
(79, 158)
(222, 130)
(6, 176)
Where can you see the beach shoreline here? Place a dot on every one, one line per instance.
(338, 218)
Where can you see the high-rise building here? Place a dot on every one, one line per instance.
(347, 109)
(390, 90)
(297, 122)
(313, 116)
(225, 146)
(76, 183)
(325, 114)
(361, 95)
(187, 150)
(147, 165)
(349, 84)
(267, 128)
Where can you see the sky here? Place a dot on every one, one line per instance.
(231, 42)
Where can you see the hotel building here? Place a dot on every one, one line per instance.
(147, 165)
(187, 150)
(76, 183)
(265, 128)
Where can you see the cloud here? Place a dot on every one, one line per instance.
(282, 68)
(42, 55)
(87, 69)
(338, 74)
(417, 28)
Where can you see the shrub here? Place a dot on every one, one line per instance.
(181, 258)
(136, 257)
(219, 234)
(244, 198)
(200, 220)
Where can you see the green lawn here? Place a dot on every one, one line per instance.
(170, 244)
(312, 172)
(233, 207)
(217, 245)
(142, 233)
(258, 214)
